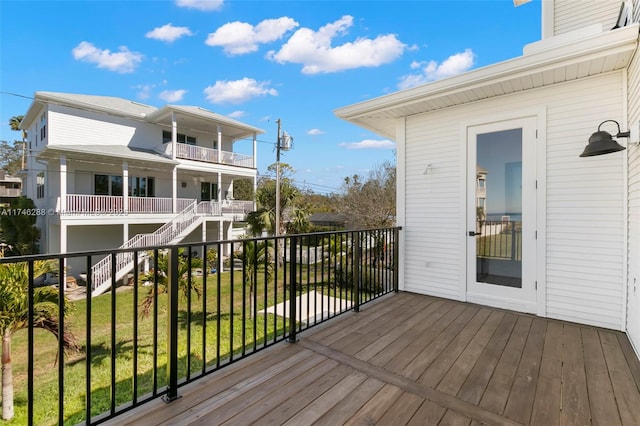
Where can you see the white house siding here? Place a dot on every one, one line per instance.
(568, 17)
(633, 307)
(584, 200)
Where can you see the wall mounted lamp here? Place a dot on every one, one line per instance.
(602, 142)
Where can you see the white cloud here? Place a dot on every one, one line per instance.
(168, 33)
(315, 132)
(144, 90)
(370, 144)
(123, 61)
(454, 64)
(237, 38)
(237, 114)
(314, 51)
(238, 91)
(204, 5)
(172, 95)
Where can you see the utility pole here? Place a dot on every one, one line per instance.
(283, 142)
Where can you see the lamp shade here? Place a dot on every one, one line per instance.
(600, 143)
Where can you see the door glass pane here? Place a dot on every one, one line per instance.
(205, 191)
(499, 208)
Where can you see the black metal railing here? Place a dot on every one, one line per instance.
(499, 239)
(183, 312)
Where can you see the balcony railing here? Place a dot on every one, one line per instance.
(10, 192)
(82, 203)
(209, 155)
(179, 318)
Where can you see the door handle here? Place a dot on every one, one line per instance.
(473, 234)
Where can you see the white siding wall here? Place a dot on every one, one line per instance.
(585, 200)
(571, 15)
(633, 311)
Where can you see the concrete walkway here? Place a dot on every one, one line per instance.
(310, 306)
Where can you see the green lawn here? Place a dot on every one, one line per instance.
(200, 326)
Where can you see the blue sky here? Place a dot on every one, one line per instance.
(257, 61)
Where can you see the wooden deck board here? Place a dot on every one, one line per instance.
(420, 360)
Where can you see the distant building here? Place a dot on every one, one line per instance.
(10, 188)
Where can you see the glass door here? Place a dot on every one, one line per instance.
(501, 215)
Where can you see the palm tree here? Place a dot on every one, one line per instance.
(14, 123)
(256, 257)
(162, 266)
(14, 316)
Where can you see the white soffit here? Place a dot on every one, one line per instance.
(545, 64)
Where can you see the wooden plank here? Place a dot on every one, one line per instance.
(389, 338)
(451, 418)
(523, 391)
(429, 413)
(402, 410)
(318, 407)
(478, 379)
(442, 364)
(546, 404)
(299, 397)
(346, 408)
(601, 399)
(420, 344)
(458, 373)
(497, 392)
(419, 364)
(575, 399)
(402, 345)
(371, 412)
(226, 404)
(624, 386)
(248, 371)
(631, 357)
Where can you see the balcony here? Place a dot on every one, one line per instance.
(360, 352)
(77, 204)
(209, 155)
(10, 192)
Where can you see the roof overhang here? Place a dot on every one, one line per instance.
(197, 118)
(545, 65)
(107, 154)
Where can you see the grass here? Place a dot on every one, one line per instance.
(200, 328)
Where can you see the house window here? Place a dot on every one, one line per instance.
(40, 185)
(141, 186)
(181, 138)
(107, 185)
(43, 127)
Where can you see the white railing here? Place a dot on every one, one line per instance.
(81, 203)
(10, 192)
(209, 155)
(101, 271)
(236, 207)
(209, 208)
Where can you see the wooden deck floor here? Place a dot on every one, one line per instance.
(419, 360)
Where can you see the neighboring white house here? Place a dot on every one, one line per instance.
(106, 172)
(574, 222)
(10, 188)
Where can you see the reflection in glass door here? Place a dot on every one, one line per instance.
(501, 218)
(499, 208)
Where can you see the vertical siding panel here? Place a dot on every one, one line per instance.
(571, 15)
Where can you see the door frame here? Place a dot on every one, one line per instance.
(496, 122)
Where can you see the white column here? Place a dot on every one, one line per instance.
(125, 232)
(63, 183)
(125, 186)
(174, 135)
(204, 231)
(219, 194)
(255, 150)
(174, 188)
(219, 129)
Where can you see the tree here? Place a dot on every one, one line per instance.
(19, 230)
(10, 157)
(14, 316)
(14, 124)
(299, 222)
(256, 257)
(185, 286)
(243, 189)
(371, 204)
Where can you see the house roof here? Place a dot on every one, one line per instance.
(574, 55)
(106, 153)
(187, 116)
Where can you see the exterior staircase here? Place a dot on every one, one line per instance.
(169, 233)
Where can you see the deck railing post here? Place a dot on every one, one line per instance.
(513, 241)
(172, 326)
(292, 288)
(396, 251)
(356, 270)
